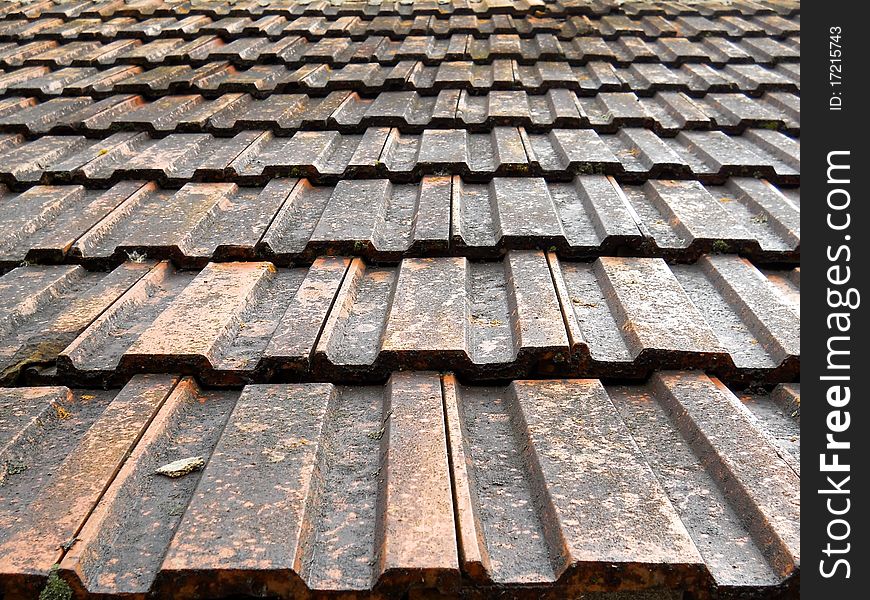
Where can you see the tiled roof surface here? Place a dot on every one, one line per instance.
(403, 299)
(526, 314)
(330, 487)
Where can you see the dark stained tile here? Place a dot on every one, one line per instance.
(45, 221)
(44, 308)
(66, 461)
(631, 313)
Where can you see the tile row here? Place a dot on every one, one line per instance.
(69, 9)
(314, 27)
(150, 8)
(666, 113)
(344, 319)
(219, 78)
(254, 157)
(693, 27)
(291, 221)
(295, 51)
(537, 489)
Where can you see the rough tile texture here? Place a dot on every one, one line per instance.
(400, 299)
(563, 486)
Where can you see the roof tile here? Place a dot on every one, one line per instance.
(45, 308)
(67, 471)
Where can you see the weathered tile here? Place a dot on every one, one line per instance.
(424, 137)
(11, 106)
(100, 116)
(643, 153)
(95, 354)
(161, 114)
(313, 154)
(92, 161)
(104, 81)
(753, 77)
(612, 111)
(295, 335)
(455, 151)
(45, 221)
(191, 225)
(667, 113)
(737, 323)
(518, 458)
(385, 509)
(685, 214)
(724, 155)
(565, 152)
(537, 505)
(699, 443)
(675, 111)
(768, 50)
(788, 284)
(363, 217)
(250, 311)
(19, 75)
(65, 473)
(680, 50)
(735, 112)
(65, 55)
(771, 214)
(747, 313)
(634, 311)
(199, 325)
(781, 147)
(777, 416)
(26, 163)
(481, 317)
(649, 78)
(121, 546)
(16, 54)
(398, 109)
(581, 218)
(45, 307)
(38, 118)
(770, 488)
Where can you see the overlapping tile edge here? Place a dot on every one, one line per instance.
(295, 51)
(666, 113)
(443, 250)
(218, 78)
